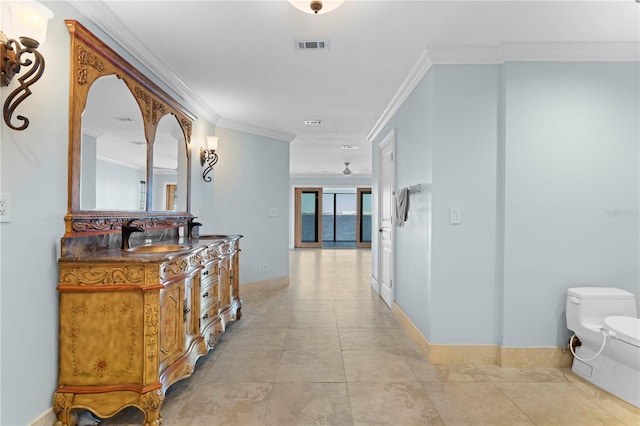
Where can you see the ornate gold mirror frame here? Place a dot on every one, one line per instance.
(91, 59)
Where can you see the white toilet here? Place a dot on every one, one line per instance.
(606, 322)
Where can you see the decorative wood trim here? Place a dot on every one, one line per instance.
(92, 222)
(102, 275)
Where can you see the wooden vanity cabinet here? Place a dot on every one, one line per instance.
(131, 326)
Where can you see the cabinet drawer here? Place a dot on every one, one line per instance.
(210, 270)
(209, 291)
(208, 314)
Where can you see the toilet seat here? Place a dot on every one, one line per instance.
(626, 329)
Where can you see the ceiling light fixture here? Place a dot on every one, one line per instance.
(316, 7)
(349, 147)
(28, 22)
(313, 122)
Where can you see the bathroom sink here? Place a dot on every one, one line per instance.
(157, 249)
(213, 237)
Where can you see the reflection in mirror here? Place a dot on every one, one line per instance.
(113, 149)
(169, 166)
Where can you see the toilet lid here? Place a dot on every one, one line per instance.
(626, 329)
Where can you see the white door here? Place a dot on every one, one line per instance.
(385, 228)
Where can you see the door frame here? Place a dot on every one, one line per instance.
(359, 242)
(298, 215)
(388, 142)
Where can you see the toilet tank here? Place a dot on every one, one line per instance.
(587, 307)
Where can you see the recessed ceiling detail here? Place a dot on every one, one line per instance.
(320, 44)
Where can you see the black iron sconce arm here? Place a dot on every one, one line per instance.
(12, 60)
(209, 157)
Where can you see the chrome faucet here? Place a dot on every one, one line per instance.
(126, 230)
(190, 225)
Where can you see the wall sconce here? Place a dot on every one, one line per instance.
(316, 7)
(29, 22)
(208, 155)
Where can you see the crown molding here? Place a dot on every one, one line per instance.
(104, 18)
(415, 76)
(506, 52)
(256, 130)
(536, 52)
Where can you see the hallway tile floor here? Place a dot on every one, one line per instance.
(327, 351)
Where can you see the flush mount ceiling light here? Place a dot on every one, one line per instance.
(316, 7)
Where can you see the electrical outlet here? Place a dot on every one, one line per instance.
(265, 267)
(5, 207)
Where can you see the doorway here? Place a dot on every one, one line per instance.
(386, 234)
(333, 217)
(308, 220)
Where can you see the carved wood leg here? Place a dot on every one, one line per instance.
(62, 409)
(150, 402)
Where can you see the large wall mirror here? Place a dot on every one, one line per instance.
(129, 144)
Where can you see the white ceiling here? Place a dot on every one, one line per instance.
(235, 62)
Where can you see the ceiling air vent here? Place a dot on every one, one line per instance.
(312, 44)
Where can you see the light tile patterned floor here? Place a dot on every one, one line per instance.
(327, 351)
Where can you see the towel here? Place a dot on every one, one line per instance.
(401, 210)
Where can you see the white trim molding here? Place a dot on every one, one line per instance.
(499, 54)
(536, 52)
(415, 76)
(104, 18)
(256, 130)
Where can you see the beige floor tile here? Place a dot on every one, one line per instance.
(279, 319)
(391, 404)
(474, 404)
(306, 339)
(499, 374)
(310, 305)
(309, 404)
(244, 367)
(628, 413)
(253, 339)
(321, 319)
(426, 372)
(376, 366)
(364, 319)
(372, 305)
(311, 366)
(367, 338)
(558, 404)
(241, 404)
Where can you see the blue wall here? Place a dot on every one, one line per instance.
(543, 160)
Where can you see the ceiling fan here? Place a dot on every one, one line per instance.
(348, 172)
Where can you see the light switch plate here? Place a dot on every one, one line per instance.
(5, 207)
(273, 212)
(455, 216)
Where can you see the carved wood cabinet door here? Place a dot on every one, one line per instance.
(224, 282)
(190, 309)
(171, 322)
